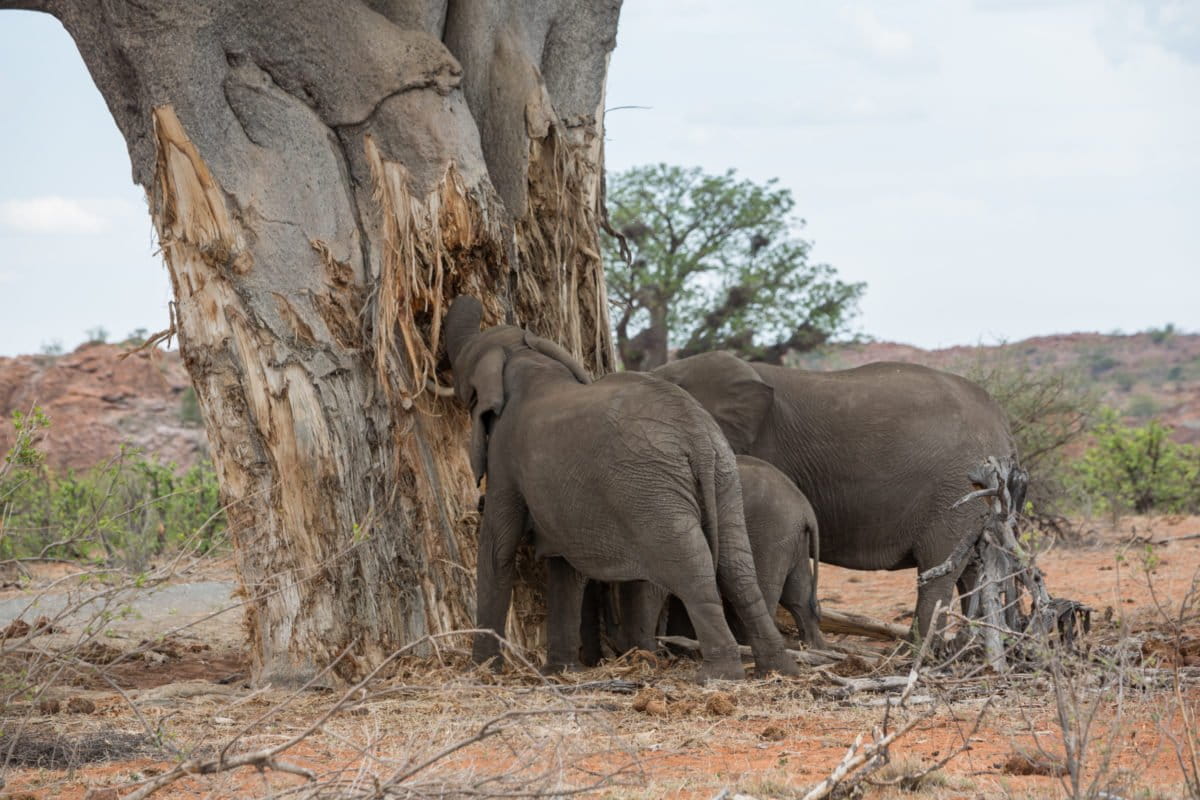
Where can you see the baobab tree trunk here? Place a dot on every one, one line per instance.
(324, 176)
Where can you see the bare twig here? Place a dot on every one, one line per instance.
(859, 757)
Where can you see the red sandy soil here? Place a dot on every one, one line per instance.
(778, 738)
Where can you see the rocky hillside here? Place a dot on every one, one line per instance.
(1155, 374)
(98, 401)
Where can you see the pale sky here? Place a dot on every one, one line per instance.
(992, 170)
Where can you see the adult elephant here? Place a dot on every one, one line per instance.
(622, 479)
(882, 451)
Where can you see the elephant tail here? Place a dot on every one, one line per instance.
(814, 548)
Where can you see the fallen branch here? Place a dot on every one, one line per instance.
(1166, 540)
(860, 625)
(809, 658)
(849, 686)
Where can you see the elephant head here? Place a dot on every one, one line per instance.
(729, 389)
(478, 359)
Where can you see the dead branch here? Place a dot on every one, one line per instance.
(862, 759)
(849, 686)
(861, 625)
(810, 658)
(165, 335)
(1006, 571)
(911, 781)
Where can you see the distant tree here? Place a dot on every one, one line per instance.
(1160, 335)
(713, 263)
(98, 334)
(136, 337)
(52, 348)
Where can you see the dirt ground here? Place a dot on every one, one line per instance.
(640, 728)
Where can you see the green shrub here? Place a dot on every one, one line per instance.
(1139, 469)
(1142, 406)
(1100, 362)
(121, 513)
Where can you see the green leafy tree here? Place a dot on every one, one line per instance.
(704, 262)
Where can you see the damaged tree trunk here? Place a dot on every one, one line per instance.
(1005, 571)
(324, 177)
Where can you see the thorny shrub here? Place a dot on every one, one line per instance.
(1049, 412)
(122, 512)
(1138, 469)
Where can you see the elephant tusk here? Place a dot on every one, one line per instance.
(440, 391)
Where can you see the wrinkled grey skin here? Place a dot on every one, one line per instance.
(622, 479)
(881, 451)
(783, 537)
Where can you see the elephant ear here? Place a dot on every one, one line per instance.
(483, 386)
(729, 389)
(558, 353)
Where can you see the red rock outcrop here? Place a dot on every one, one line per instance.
(98, 401)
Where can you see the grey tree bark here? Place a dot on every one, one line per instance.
(324, 176)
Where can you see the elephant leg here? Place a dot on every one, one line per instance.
(500, 533)
(967, 583)
(678, 621)
(938, 590)
(693, 580)
(799, 597)
(564, 601)
(641, 606)
(738, 581)
(719, 652)
(735, 624)
(591, 623)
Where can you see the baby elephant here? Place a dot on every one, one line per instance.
(626, 478)
(783, 537)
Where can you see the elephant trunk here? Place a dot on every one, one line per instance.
(461, 323)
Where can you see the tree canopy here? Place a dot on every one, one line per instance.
(714, 263)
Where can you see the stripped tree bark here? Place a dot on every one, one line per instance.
(323, 177)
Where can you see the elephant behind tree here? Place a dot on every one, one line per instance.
(882, 451)
(622, 479)
(782, 527)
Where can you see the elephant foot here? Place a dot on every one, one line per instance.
(776, 660)
(590, 656)
(559, 667)
(722, 665)
(486, 649)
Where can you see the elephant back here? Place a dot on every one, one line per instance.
(729, 389)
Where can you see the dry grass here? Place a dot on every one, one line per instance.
(637, 727)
